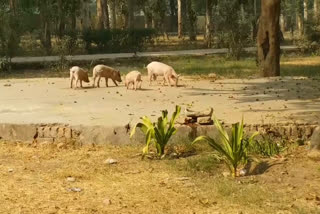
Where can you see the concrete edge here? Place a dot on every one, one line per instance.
(119, 135)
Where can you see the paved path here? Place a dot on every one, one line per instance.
(263, 100)
(198, 52)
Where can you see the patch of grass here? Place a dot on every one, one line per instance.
(186, 65)
(37, 183)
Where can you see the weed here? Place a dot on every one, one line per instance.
(234, 148)
(158, 133)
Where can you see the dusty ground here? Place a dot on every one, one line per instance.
(259, 100)
(34, 180)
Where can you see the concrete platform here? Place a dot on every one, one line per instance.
(51, 101)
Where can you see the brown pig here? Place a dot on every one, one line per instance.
(106, 72)
(78, 74)
(134, 78)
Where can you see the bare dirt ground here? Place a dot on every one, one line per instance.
(76, 180)
(259, 100)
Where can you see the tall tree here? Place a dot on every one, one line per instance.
(130, 14)
(268, 38)
(315, 7)
(100, 12)
(113, 16)
(209, 5)
(305, 10)
(180, 19)
(106, 20)
(192, 19)
(45, 8)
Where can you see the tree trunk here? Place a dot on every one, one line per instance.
(130, 14)
(61, 22)
(305, 10)
(113, 17)
(173, 13)
(180, 20)
(73, 16)
(315, 8)
(299, 23)
(209, 4)
(99, 23)
(268, 38)
(192, 19)
(282, 23)
(106, 20)
(13, 6)
(85, 15)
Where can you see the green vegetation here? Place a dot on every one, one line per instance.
(185, 65)
(234, 149)
(267, 146)
(158, 133)
(117, 40)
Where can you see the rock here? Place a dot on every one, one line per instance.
(226, 174)
(10, 170)
(107, 201)
(243, 172)
(213, 76)
(205, 121)
(206, 113)
(75, 189)
(315, 139)
(71, 179)
(314, 155)
(110, 161)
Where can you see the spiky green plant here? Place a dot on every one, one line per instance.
(158, 133)
(233, 148)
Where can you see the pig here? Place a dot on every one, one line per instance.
(78, 74)
(106, 72)
(160, 69)
(134, 78)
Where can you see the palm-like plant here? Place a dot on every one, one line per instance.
(158, 133)
(234, 148)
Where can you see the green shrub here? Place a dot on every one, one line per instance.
(117, 40)
(267, 146)
(158, 133)
(233, 148)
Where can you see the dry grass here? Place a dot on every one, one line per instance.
(33, 180)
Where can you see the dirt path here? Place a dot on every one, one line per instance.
(198, 52)
(259, 100)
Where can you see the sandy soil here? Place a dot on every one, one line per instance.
(259, 100)
(37, 180)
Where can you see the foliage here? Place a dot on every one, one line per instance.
(118, 40)
(267, 146)
(158, 133)
(233, 148)
(232, 27)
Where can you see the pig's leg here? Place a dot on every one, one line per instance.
(81, 84)
(135, 85)
(167, 80)
(98, 83)
(94, 80)
(77, 80)
(106, 81)
(71, 81)
(115, 82)
(150, 78)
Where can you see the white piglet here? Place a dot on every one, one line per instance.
(78, 74)
(160, 69)
(134, 78)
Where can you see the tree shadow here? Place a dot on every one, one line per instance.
(260, 168)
